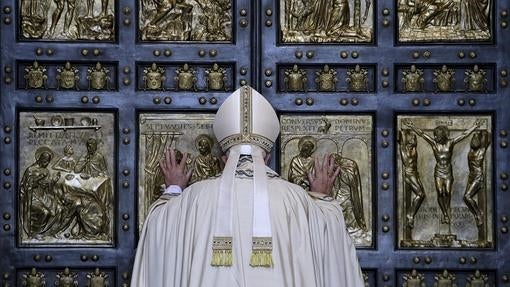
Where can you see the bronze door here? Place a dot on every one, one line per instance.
(410, 96)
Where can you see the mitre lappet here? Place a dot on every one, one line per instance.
(245, 124)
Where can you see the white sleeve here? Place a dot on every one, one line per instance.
(173, 190)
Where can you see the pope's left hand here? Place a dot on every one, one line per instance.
(175, 172)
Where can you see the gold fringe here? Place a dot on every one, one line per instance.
(261, 255)
(222, 251)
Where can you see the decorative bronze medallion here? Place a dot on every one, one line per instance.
(186, 79)
(154, 77)
(413, 79)
(326, 79)
(97, 279)
(67, 279)
(33, 279)
(68, 77)
(357, 79)
(35, 76)
(414, 279)
(98, 77)
(475, 80)
(445, 279)
(295, 79)
(444, 79)
(216, 78)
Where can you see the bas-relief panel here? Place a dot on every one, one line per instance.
(444, 165)
(349, 139)
(444, 20)
(327, 21)
(67, 20)
(187, 133)
(66, 177)
(185, 20)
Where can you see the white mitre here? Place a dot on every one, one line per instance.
(246, 123)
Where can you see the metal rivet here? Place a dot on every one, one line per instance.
(415, 102)
(125, 184)
(243, 82)
(428, 260)
(202, 100)
(385, 133)
(125, 172)
(310, 54)
(416, 55)
(354, 54)
(461, 102)
(472, 54)
(354, 101)
(6, 276)
(7, 171)
(505, 278)
(8, 80)
(243, 12)
(386, 12)
(503, 175)
(7, 20)
(125, 275)
(462, 260)
(49, 99)
(84, 52)
(416, 260)
(167, 100)
(126, 10)
(96, 52)
(268, 72)
(36, 257)
(126, 130)
(461, 55)
(127, 22)
(7, 215)
(7, 185)
(385, 72)
(96, 100)
(268, 83)
(38, 99)
(503, 133)
(125, 227)
(269, 23)
(126, 141)
(213, 101)
(167, 53)
(344, 54)
(7, 9)
(503, 73)
(504, 13)
(126, 70)
(309, 101)
(427, 54)
(156, 53)
(385, 84)
(213, 53)
(201, 53)
(344, 102)
(243, 22)
(504, 229)
(298, 101)
(386, 228)
(84, 99)
(385, 144)
(472, 260)
(298, 54)
(427, 102)
(386, 22)
(39, 51)
(385, 175)
(95, 257)
(84, 258)
(504, 24)
(48, 258)
(504, 187)
(504, 219)
(386, 218)
(503, 83)
(269, 12)
(125, 216)
(126, 81)
(8, 68)
(243, 71)
(386, 277)
(156, 100)
(385, 186)
(7, 227)
(503, 144)
(7, 140)
(50, 52)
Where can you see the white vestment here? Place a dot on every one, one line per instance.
(311, 246)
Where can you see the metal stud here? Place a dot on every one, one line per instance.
(269, 12)
(385, 72)
(126, 131)
(126, 70)
(127, 22)
(125, 275)
(268, 72)
(415, 102)
(167, 100)
(461, 55)
(202, 100)
(462, 260)
(385, 144)
(269, 23)
(243, 12)
(84, 258)
(385, 133)
(48, 258)
(243, 71)
(504, 219)
(385, 83)
(7, 227)
(125, 227)
(504, 187)
(354, 54)
(50, 52)
(95, 258)
(503, 144)
(84, 99)
(427, 102)
(415, 55)
(472, 54)
(344, 102)
(156, 53)
(461, 102)
(427, 54)
(7, 20)
(505, 278)
(428, 260)
(7, 9)
(503, 175)
(84, 52)
(504, 24)
(386, 218)
(126, 81)
(213, 101)
(49, 99)
(36, 257)
(7, 140)
(201, 53)
(503, 83)
(8, 80)
(125, 172)
(503, 133)
(298, 54)
(503, 72)
(7, 185)
(96, 52)
(6, 215)
(38, 99)
(386, 12)
(213, 53)
(96, 100)
(309, 101)
(6, 276)
(385, 186)
(243, 82)
(504, 13)
(354, 101)
(472, 260)
(7, 171)
(126, 10)
(8, 68)
(156, 100)
(125, 184)
(268, 83)
(386, 23)
(416, 260)
(243, 23)
(39, 51)
(167, 53)
(386, 228)
(125, 216)
(310, 54)
(298, 101)
(344, 54)
(126, 141)
(504, 229)
(385, 175)
(386, 277)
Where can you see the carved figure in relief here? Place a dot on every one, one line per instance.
(444, 79)
(68, 17)
(33, 279)
(413, 79)
(205, 165)
(35, 76)
(476, 178)
(475, 79)
(97, 279)
(67, 162)
(409, 158)
(98, 77)
(186, 78)
(347, 189)
(295, 79)
(215, 19)
(216, 78)
(357, 79)
(477, 280)
(38, 202)
(154, 77)
(442, 146)
(68, 77)
(414, 279)
(67, 279)
(93, 162)
(302, 163)
(445, 279)
(326, 79)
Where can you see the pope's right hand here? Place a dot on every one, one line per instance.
(175, 173)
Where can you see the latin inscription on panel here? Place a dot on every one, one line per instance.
(187, 133)
(66, 176)
(444, 185)
(349, 139)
